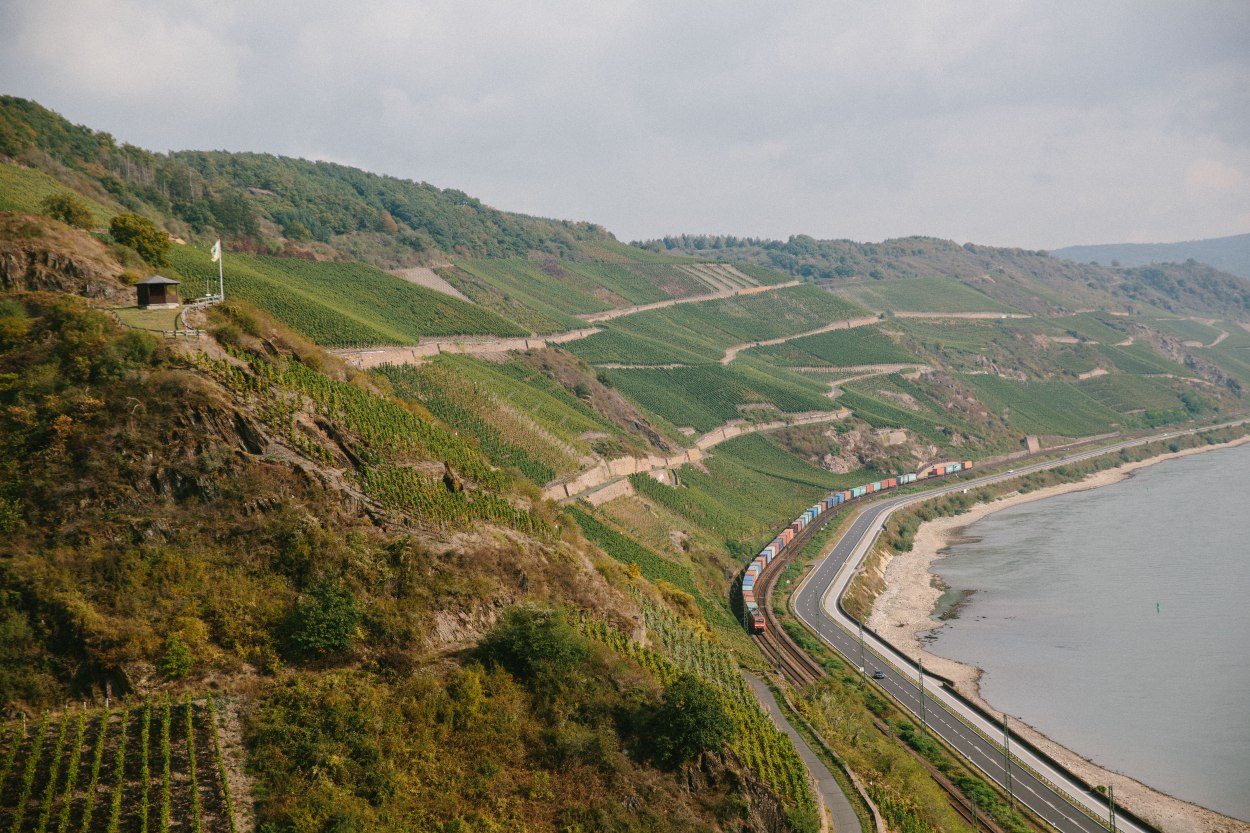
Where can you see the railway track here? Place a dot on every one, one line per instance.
(795, 664)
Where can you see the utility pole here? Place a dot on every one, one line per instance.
(1111, 805)
(862, 667)
(923, 722)
(1007, 761)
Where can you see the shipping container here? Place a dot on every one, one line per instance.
(752, 606)
(967, 464)
(787, 535)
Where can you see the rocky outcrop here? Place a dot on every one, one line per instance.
(38, 254)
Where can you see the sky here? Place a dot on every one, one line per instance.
(1032, 124)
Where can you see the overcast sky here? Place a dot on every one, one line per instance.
(1007, 123)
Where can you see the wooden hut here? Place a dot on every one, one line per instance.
(158, 292)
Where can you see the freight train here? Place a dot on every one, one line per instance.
(755, 617)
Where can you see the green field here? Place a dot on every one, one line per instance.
(1099, 327)
(339, 304)
(923, 295)
(1141, 359)
(1049, 407)
(1127, 394)
(707, 396)
(956, 336)
(23, 189)
(836, 348)
(694, 333)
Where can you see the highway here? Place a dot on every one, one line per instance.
(1048, 790)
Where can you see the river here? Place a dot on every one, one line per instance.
(1117, 622)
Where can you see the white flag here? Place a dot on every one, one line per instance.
(216, 251)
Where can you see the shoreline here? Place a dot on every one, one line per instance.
(903, 612)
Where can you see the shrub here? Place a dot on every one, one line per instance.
(176, 661)
(68, 209)
(142, 235)
(324, 620)
(530, 643)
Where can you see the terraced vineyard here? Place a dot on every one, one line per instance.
(1139, 358)
(923, 295)
(699, 333)
(519, 417)
(339, 304)
(151, 767)
(1129, 394)
(1187, 329)
(1048, 407)
(1100, 327)
(836, 348)
(707, 396)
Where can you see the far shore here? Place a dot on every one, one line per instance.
(904, 609)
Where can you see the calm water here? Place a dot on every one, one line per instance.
(1117, 621)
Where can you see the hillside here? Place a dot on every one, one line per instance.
(1227, 254)
(452, 546)
(336, 559)
(990, 279)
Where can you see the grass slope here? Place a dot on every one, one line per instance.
(340, 304)
(923, 295)
(694, 333)
(707, 396)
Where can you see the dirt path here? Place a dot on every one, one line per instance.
(869, 370)
(595, 477)
(731, 353)
(1223, 335)
(608, 315)
(898, 314)
(375, 356)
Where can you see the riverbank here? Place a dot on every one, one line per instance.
(903, 612)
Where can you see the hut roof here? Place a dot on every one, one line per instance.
(156, 280)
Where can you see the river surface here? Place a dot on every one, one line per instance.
(1117, 622)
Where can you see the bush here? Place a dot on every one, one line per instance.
(530, 643)
(176, 661)
(68, 209)
(324, 620)
(142, 235)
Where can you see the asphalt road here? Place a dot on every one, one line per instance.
(841, 814)
(1049, 791)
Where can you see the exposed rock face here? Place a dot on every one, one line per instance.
(40, 254)
(724, 773)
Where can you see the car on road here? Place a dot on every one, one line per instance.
(878, 675)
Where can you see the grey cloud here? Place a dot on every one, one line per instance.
(1033, 124)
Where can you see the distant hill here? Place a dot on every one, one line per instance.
(1228, 254)
(271, 203)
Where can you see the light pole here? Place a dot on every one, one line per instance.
(923, 722)
(1007, 762)
(1111, 805)
(862, 667)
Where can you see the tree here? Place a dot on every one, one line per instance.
(692, 719)
(324, 620)
(68, 209)
(142, 235)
